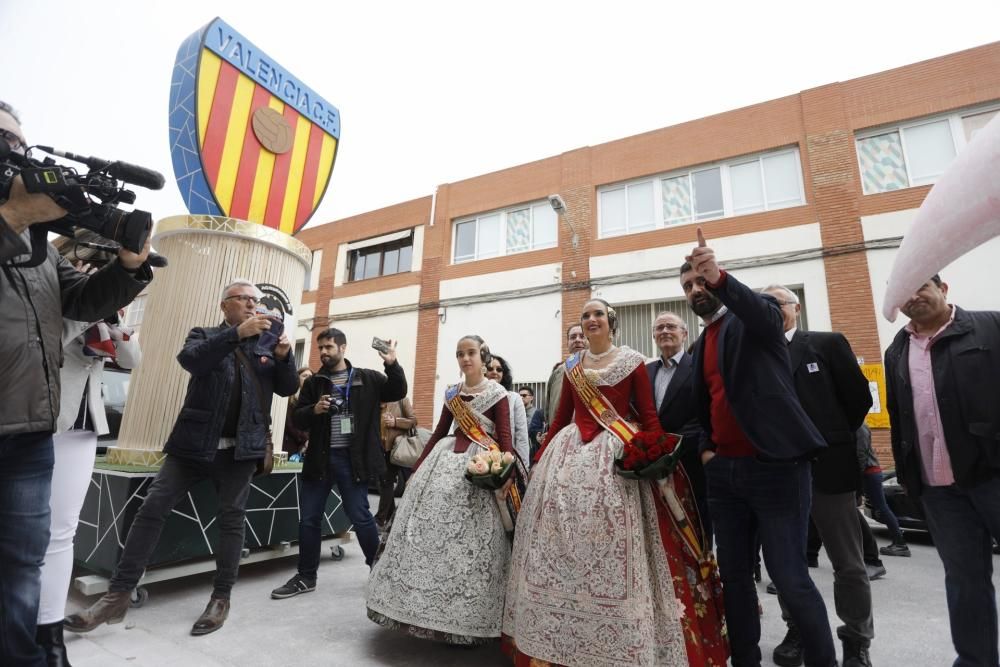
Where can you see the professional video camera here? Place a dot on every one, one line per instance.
(91, 199)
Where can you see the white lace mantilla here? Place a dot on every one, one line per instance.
(447, 559)
(590, 583)
(619, 366)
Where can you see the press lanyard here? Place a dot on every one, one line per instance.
(345, 393)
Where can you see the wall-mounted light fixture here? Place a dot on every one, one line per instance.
(558, 205)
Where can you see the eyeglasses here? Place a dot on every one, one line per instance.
(525, 395)
(667, 327)
(15, 142)
(246, 298)
(786, 303)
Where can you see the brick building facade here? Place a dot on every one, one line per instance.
(812, 190)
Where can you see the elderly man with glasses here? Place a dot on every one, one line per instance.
(671, 377)
(220, 435)
(835, 395)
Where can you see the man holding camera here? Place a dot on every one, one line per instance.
(341, 407)
(220, 435)
(38, 288)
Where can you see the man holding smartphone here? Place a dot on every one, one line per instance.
(340, 406)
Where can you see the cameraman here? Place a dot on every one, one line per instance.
(38, 288)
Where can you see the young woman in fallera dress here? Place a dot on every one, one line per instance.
(445, 565)
(600, 573)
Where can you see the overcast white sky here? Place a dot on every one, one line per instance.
(435, 92)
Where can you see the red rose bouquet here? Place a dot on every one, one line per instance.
(649, 456)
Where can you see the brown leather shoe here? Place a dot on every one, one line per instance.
(212, 618)
(109, 609)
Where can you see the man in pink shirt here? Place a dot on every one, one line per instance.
(943, 389)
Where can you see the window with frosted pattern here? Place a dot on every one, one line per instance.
(497, 233)
(676, 193)
(882, 167)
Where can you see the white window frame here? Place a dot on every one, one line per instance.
(502, 232)
(726, 184)
(959, 142)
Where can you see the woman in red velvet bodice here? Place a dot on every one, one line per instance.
(600, 575)
(634, 390)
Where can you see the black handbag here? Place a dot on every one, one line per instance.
(266, 465)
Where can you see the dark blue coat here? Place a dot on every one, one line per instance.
(756, 371)
(678, 413)
(209, 356)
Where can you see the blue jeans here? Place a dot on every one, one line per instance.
(312, 503)
(26, 462)
(873, 489)
(748, 498)
(961, 522)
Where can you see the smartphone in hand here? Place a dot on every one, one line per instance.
(381, 345)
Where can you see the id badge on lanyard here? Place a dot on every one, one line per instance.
(346, 422)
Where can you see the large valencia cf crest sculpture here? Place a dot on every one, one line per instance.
(248, 139)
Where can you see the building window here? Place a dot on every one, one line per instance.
(635, 322)
(135, 311)
(511, 230)
(312, 276)
(371, 259)
(915, 153)
(737, 187)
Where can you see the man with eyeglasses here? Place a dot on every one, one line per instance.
(38, 287)
(220, 435)
(671, 377)
(835, 395)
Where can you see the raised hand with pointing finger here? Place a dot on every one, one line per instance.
(702, 260)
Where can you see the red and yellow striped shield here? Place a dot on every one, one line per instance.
(267, 142)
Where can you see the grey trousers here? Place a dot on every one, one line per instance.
(836, 518)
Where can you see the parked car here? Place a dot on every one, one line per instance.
(908, 511)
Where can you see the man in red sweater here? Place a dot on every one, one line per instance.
(756, 451)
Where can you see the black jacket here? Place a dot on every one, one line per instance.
(369, 389)
(678, 413)
(753, 361)
(966, 367)
(834, 393)
(209, 356)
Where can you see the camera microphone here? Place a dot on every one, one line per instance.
(130, 173)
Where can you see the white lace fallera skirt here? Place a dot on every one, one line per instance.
(445, 566)
(590, 582)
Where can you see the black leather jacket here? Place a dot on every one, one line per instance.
(209, 356)
(34, 300)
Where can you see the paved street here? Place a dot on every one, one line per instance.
(329, 627)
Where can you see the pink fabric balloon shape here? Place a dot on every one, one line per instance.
(961, 212)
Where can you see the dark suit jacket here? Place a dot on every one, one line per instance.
(834, 393)
(753, 361)
(678, 413)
